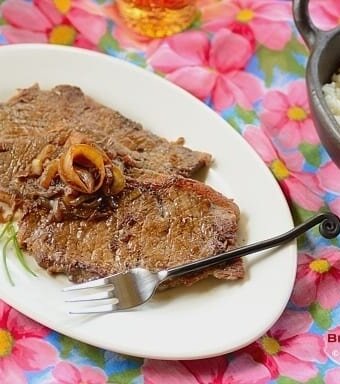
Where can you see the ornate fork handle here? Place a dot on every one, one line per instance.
(329, 228)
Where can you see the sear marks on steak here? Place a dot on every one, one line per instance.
(34, 112)
(160, 221)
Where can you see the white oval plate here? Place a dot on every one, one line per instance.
(211, 317)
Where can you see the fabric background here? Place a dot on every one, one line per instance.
(244, 59)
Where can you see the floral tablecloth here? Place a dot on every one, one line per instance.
(245, 59)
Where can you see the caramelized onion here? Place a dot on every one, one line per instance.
(49, 173)
(46, 152)
(6, 213)
(84, 207)
(76, 201)
(118, 182)
(6, 198)
(36, 167)
(82, 167)
(87, 178)
(114, 181)
(37, 163)
(3, 217)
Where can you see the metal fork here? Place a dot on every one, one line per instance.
(135, 287)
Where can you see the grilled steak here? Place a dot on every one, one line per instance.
(160, 221)
(34, 112)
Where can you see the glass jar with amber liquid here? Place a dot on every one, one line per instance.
(157, 18)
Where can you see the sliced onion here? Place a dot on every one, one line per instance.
(6, 198)
(5, 213)
(49, 173)
(118, 183)
(73, 164)
(86, 177)
(114, 180)
(46, 152)
(36, 167)
(77, 201)
(3, 217)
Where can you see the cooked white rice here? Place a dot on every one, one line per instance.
(332, 96)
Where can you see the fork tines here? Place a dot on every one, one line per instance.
(90, 284)
(105, 283)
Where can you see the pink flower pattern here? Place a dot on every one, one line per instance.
(217, 60)
(286, 116)
(42, 21)
(288, 349)
(329, 179)
(67, 373)
(260, 21)
(318, 277)
(325, 14)
(206, 68)
(241, 370)
(332, 376)
(22, 348)
(303, 188)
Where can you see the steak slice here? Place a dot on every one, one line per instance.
(33, 112)
(159, 222)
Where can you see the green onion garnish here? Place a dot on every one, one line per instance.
(10, 232)
(4, 258)
(18, 252)
(4, 230)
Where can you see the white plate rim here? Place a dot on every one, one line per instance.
(135, 350)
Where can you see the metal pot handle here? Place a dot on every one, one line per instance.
(304, 23)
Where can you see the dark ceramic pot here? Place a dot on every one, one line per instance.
(324, 60)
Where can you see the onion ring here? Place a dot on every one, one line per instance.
(49, 173)
(78, 163)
